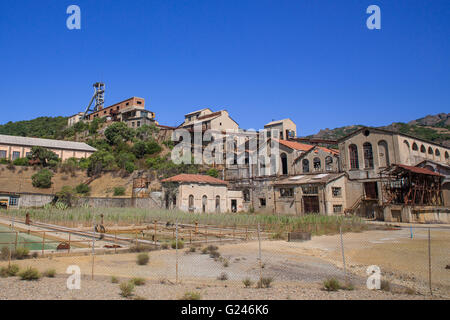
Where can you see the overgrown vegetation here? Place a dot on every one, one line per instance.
(42, 179)
(30, 274)
(316, 224)
(126, 289)
(191, 295)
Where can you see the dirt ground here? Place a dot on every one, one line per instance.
(298, 269)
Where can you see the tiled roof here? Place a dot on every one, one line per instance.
(46, 143)
(198, 178)
(296, 145)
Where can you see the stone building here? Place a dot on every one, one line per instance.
(367, 151)
(209, 120)
(311, 193)
(200, 193)
(14, 147)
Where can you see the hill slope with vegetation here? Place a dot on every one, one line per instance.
(434, 128)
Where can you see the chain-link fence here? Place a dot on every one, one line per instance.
(173, 260)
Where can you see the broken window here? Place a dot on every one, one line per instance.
(317, 164)
(246, 194)
(262, 202)
(368, 155)
(305, 165)
(328, 163)
(337, 192)
(354, 162)
(310, 189)
(286, 192)
(337, 208)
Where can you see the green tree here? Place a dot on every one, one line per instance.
(42, 179)
(43, 156)
(118, 132)
(146, 131)
(83, 189)
(213, 173)
(100, 161)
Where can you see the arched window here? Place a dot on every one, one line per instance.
(353, 151)
(406, 143)
(422, 149)
(317, 165)
(383, 154)
(328, 163)
(368, 155)
(430, 151)
(446, 155)
(191, 202)
(415, 147)
(217, 204)
(437, 153)
(284, 164)
(204, 203)
(305, 165)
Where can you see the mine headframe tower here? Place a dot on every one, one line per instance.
(99, 97)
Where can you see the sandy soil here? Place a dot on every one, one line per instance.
(298, 269)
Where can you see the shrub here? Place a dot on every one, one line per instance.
(30, 274)
(165, 245)
(50, 273)
(83, 189)
(4, 253)
(174, 244)
(247, 282)
(13, 270)
(142, 259)
(21, 162)
(226, 263)
(191, 295)
(118, 132)
(331, 284)
(348, 286)
(126, 289)
(130, 167)
(21, 253)
(265, 283)
(214, 254)
(65, 196)
(212, 248)
(213, 173)
(192, 249)
(114, 279)
(223, 276)
(42, 179)
(204, 250)
(119, 191)
(138, 281)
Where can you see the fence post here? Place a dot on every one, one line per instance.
(259, 254)
(343, 253)
(43, 243)
(115, 241)
(429, 259)
(176, 253)
(15, 242)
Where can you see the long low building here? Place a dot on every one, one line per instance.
(14, 147)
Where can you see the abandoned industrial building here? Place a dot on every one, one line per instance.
(353, 178)
(14, 147)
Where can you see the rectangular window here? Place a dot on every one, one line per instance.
(337, 192)
(138, 124)
(286, 192)
(310, 190)
(2, 154)
(132, 124)
(15, 155)
(139, 102)
(337, 208)
(262, 202)
(13, 201)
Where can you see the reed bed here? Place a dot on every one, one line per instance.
(76, 217)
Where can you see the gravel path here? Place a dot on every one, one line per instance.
(103, 289)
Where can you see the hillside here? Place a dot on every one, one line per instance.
(42, 127)
(435, 128)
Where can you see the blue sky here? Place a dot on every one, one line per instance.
(313, 61)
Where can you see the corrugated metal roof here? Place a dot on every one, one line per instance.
(309, 179)
(199, 178)
(46, 143)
